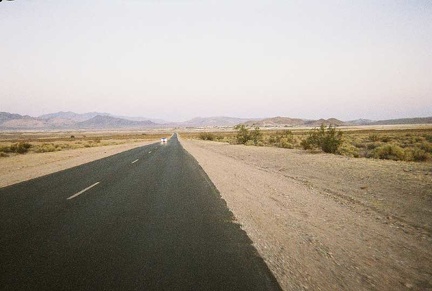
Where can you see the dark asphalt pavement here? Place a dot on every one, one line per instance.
(154, 221)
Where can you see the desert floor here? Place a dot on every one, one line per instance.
(320, 221)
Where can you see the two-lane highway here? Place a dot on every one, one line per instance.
(145, 219)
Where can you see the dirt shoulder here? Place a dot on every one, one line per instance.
(327, 222)
(25, 167)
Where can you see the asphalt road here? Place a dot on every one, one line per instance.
(149, 219)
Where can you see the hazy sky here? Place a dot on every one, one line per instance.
(181, 59)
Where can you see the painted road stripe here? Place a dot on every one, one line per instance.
(79, 193)
(135, 161)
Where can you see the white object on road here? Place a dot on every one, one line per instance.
(164, 140)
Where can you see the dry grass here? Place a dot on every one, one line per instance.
(394, 143)
(15, 143)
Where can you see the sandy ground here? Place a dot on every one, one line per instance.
(327, 222)
(25, 167)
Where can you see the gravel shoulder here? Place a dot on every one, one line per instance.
(327, 222)
(25, 167)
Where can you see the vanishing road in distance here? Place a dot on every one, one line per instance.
(144, 219)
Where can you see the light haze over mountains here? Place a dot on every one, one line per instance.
(95, 120)
(176, 60)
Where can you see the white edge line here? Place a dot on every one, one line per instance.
(135, 161)
(79, 193)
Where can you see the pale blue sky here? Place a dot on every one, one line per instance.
(181, 59)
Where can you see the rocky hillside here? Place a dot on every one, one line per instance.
(107, 122)
(67, 120)
(291, 122)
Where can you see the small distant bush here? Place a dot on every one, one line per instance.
(3, 155)
(389, 152)
(419, 155)
(427, 147)
(374, 145)
(328, 140)
(5, 149)
(386, 139)
(23, 147)
(374, 137)
(207, 136)
(428, 137)
(46, 148)
(13, 148)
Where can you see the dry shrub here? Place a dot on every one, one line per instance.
(389, 152)
(374, 137)
(19, 148)
(207, 136)
(347, 149)
(46, 148)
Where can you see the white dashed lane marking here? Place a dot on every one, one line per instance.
(80, 192)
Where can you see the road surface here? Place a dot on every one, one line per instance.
(145, 219)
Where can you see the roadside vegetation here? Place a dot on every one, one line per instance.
(390, 144)
(22, 143)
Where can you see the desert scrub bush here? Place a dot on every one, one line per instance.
(244, 134)
(207, 136)
(386, 138)
(419, 155)
(389, 152)
(5, 149)
(328, 140)
(348, 150)
(282, 139)
(373, 145)
(426, 146)
(23, 147)
(46, 148)
(256, 135)
(286, 143)
(19, 148)
(428, 137)
(374, 137)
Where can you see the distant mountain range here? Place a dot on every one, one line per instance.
(96, 120)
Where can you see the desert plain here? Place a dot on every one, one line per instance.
(320, 221)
